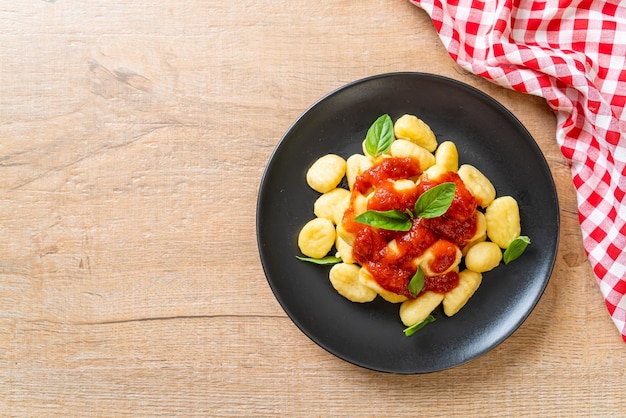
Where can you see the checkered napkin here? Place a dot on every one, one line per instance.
(573, 54)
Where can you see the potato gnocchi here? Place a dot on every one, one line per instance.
(413, 226)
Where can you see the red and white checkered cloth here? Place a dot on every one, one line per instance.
(573, 54)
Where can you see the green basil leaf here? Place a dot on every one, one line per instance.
(436, 201)
(379, 136)
(414, 328)
(329, 259)
(393, 220)
(416, 284)
(515, 249)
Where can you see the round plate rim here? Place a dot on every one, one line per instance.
(456, 84)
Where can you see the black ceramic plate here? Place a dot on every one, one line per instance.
(370, 335)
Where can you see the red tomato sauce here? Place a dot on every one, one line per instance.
(393, 270)
(386, 197)
(445, 256)
(458, 224)
(387, 169)
(442, 283)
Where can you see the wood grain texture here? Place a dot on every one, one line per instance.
(133, 136)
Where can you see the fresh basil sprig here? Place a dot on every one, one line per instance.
(416, 284)
(414, 328)
(436, 201)
(329, 259)
(392, 220)
(515, 249)
(432, 203)
(379, 136)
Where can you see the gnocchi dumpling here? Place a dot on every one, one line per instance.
(359, 203)
(481, 232)
(434, 171)
(366, 278)
(447, 156)
(326, 173)
(345, 279)
(332, 204)
(503, 221)
(404, 148)
(346, 236)
(404, 185)
(344, 250)
(478, 184)
(416, 310)
(355, 165)
(316, 237)
(415, 130)
(483, 256)
(481, 227)
(455, 299)
(440, 249)
(372, 158)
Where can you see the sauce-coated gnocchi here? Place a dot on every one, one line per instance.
(478, 183)
(404, 148)
(440, 258)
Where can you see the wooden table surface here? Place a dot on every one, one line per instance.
(133, 137)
